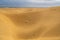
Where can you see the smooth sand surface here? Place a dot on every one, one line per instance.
(30, 23)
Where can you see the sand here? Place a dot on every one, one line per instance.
(30, 23)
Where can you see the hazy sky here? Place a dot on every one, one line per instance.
(29, 3)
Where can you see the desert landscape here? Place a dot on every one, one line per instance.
(30, 23)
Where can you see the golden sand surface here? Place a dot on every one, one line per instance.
(30, 23)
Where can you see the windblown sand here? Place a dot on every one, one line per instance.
(30, 23)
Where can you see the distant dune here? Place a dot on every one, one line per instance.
(30, 23)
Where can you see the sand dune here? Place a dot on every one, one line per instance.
(30, 23)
